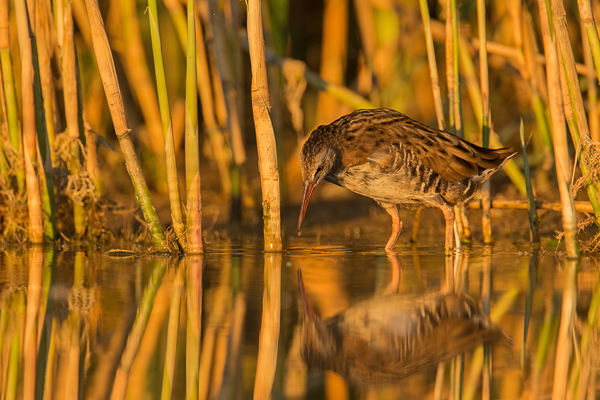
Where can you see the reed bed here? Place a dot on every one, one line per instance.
(53, 184)
(57, 174)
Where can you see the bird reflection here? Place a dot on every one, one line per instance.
(387, 338)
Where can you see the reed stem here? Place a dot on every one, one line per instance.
(530, 199)
(10, 94)
(589, 24)
(45, 45)
(139, 77)
(192, 146)
(115, 101)
(433, 71)
(573, 101)
(165, 116)
(486, 219)
(228, 113)
(220, 152)
(72, 114)
(34, 201)
(592, 91)
(334, 48)
(558, 132)
(265, 137)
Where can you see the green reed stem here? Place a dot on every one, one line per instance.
(72, 112)
(589, 23)
(450, 82)
(44, 32)
(539, 111)
(140, 79)
(44, 159)
(192, 147)
(511, 168)
(10, 95)
(108, 73)
(165, 116)
(486, 219)
(592, 90)
(458, 122)
(530, 199)
(172, 333)
(455, 107)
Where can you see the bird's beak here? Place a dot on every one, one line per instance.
(308, 189)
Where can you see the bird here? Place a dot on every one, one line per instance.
(387, 338)
(397, 161)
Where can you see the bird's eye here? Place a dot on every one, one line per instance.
(319, 170)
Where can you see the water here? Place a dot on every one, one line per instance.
(95, 324)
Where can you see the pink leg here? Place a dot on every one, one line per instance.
(392, 209)
(449, 216)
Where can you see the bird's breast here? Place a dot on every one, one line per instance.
(399, 187)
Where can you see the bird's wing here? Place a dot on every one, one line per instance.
(380, 136)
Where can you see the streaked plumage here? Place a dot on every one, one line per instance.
(395, 160)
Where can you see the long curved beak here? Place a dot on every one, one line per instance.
(308, 189)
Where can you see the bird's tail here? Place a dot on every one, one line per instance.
(487, 173)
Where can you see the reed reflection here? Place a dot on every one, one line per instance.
(269, 329)
(149, 326)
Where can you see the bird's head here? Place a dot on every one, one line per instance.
(317, 160)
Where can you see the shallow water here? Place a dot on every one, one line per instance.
(99, 324)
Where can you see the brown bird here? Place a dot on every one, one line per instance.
(396, 161)
(387, 338)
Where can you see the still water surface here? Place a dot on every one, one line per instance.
(229, 324)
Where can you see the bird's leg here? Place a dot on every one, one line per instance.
(392, 209)
(449, 216)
